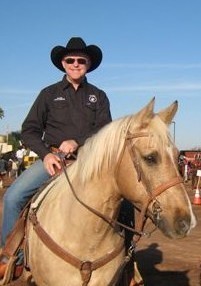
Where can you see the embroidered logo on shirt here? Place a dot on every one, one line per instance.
(59, 98)
(92, 98)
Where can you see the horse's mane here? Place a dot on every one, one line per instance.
(104, 148)
(101, 150)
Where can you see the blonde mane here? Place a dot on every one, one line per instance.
(102, 149)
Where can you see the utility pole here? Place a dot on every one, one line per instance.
(174, 123)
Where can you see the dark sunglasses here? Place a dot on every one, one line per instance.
(80, 61)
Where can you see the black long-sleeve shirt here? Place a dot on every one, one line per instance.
(62, 113)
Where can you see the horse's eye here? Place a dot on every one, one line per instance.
(150, 159)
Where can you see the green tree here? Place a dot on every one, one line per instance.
(1, 113)
(14, 139)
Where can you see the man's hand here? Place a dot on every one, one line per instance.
(68, 146)
(52, 163)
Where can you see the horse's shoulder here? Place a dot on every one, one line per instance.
(43, 191)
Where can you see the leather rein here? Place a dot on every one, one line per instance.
(87, 267)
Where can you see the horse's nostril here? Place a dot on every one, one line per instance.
(183, 225)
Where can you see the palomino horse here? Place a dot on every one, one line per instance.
(71, 235)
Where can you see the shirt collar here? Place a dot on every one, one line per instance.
(66, 84)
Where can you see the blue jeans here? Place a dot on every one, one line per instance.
(19, 193)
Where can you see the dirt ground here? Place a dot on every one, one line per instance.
(161, 261)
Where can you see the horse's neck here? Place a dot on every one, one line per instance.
(99, 195)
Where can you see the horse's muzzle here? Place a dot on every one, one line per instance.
(179, 228)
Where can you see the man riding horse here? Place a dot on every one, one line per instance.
(64, 115)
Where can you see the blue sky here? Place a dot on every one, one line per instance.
(151, 48)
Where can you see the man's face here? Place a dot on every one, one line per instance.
(76, 65)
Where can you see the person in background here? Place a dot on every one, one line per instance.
(3, 169)
(21, 152)
(63, 115)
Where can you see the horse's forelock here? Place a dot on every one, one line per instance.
(162, 135)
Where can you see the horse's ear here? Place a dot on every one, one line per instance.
(146, 113)
(167, 114)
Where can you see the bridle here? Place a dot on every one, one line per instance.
(151, 195)
(87, 267)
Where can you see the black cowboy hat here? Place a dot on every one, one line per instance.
(76, 44)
